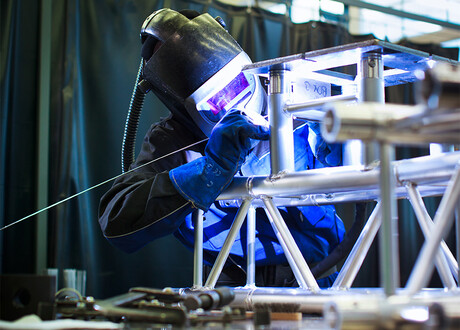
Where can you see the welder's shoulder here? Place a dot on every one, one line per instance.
(169, 127)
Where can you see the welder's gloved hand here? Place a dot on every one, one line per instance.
(328, 154)
(202, 180)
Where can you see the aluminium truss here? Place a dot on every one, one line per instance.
(358, 116)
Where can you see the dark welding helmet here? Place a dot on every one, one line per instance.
(193, 60)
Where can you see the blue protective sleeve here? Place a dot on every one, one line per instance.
(203, 179)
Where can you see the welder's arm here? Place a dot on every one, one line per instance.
(202, 180)
(153, 201)
(142, 205)
(139, 208)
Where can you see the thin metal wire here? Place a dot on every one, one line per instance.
(104, 182)
(99, 184)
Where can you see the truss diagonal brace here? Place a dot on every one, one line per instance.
(442, 221)
(445, 262)
(295, 258)
(225, 251)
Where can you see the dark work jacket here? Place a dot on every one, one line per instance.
(143, 205)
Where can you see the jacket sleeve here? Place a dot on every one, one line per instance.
(143, 205)
(329, 154)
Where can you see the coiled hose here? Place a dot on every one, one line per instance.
(132, 123)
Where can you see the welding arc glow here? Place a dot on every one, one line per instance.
(99, 184)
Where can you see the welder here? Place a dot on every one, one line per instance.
(194, 66)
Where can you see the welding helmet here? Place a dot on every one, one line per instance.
(190, 58)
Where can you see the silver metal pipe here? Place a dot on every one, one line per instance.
(445, 261)
(198, 249)
(372, 83)
(251, 251)
(354, 299)
(281, 126)
(392, 123)
(304, 300)
(371, 88)
(442, 222)
(385, 314)
(299, 183)
(300, 108)
(313, 115)
(357, 255)
(362, 195)
(230, 239)
(301, 298)
(388, 243)
(420, 170)
(295, 258)
(366, 121)
(352, 151)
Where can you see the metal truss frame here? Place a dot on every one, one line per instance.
(378, 65)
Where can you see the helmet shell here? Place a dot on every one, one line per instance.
(191, 51)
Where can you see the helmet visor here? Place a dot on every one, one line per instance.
(229, 88)
(214, 106)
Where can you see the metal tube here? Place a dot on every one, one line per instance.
(385, 314)
(298, 109)
(372, 89)
(442, 222)
(225, 251)
(421, 170)
(293, 254)
(281, 126)
(445, 261)
(372, 83)
(357, 255)
(371, 86)
(304, 300)
(396, 124)
(198, 249)
(298, 183)
(340, 197)
(389, 247)
(274, 218)
(361, 299)
(251, 252)
(418, 170)
(364, 121)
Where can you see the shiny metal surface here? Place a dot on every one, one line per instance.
(376, 65)
(421, 170)
(400, 62)
(281, 125)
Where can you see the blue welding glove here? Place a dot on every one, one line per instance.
(202, 180)
(328, 154)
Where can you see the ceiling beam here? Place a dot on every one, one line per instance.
(400, 13)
